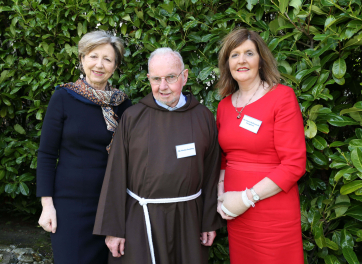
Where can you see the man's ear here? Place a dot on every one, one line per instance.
(186, 75)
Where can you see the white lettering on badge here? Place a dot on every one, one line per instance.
(185, 150)
(250, 124)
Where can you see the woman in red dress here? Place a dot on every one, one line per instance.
(264, 154)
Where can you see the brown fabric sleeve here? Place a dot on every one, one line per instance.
(111, 218)
(211, 219)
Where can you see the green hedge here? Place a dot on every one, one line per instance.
(317, 46)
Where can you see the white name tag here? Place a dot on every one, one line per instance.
(250, 124)
(186, 150)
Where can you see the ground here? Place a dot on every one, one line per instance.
(24, 232)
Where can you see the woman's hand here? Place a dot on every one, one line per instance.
(207, 238)
(233, 202)
(220, 192)
(48, 217)
(116, 245)
(221, 212)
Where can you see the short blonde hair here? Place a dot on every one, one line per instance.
(268, 71)
(93, 39)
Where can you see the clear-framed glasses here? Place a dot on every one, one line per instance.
(169, 78)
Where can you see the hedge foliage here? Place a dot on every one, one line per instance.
(318, 48)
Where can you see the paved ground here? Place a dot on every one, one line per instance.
(24, 233)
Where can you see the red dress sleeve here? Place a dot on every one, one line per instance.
(289, 142)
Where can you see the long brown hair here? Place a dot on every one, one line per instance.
(268, 71)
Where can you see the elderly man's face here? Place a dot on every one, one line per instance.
(162, 66)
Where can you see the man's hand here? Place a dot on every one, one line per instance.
(207, 238)
(116, 245)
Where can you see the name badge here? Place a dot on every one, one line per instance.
(250, 124)
(185, 150)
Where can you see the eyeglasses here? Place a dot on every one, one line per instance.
(169, 78)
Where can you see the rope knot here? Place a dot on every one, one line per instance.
(142, 201)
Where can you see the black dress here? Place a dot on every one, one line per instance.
(74, 134)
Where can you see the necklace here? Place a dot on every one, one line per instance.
(237, 98)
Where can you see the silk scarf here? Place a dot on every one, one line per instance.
(105, 99)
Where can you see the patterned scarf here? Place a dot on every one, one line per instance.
(105, 99)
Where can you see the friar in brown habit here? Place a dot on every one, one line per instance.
(158, 201)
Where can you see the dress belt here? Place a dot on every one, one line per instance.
(143, 202)
(247, 166)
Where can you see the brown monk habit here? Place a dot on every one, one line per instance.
(143, 159)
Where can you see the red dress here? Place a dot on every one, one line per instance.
(271, 231)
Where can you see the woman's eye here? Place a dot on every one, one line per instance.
(108, 60)
(234, 55)
(250, 54)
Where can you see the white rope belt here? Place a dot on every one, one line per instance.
(143, 202)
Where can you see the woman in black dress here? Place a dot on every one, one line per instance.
(72, 157)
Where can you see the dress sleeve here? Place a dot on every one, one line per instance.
(211, 219)
(289, 142)
(223, 159)
(48, 152)
(111, 212)
(123, 106)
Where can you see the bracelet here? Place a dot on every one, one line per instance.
(220, 182)
(246, 200)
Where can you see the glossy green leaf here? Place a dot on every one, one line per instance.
(205, 73)
(80, 29)
(283, 4)
(309, 82)
(350, 110)
(26, 177)
(310, 130)
(356, 143)
(319, 142)
(307, 245)
(331, 259)
(341, 121)
(356, 157)
(358, 105)
(250, 4)
(351, 187)
(350, 256)
(319, 158)
(18, 128)
(355, 211)
(339, 68)
(332, 245)
(329, 21)
(341, 210)
(337, 144)
(319, 237)
(24, 189)
(346, 239)
(323, 128)
(314, 112)
(10, 188)
(340, 173)
(273, 44)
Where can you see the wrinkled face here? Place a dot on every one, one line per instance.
(99, 64)
(244, 62)
(162, 66)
